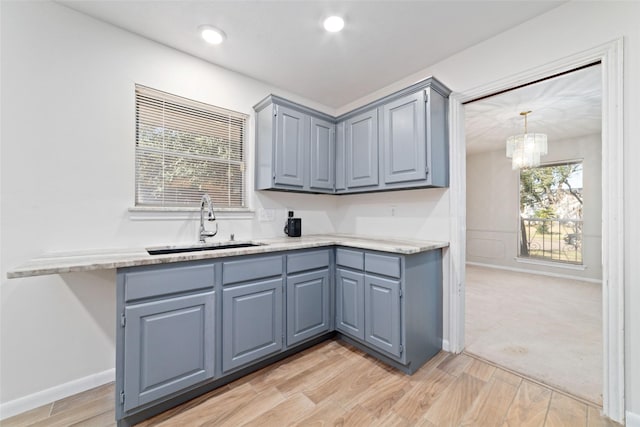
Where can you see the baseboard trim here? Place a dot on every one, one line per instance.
(541, 273)
(633, 420)
(35, 400)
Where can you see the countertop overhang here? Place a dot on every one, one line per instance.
(88, 260)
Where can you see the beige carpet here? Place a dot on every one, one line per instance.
(546, 328)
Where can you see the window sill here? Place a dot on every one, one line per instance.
(579, 267)
(139, 213)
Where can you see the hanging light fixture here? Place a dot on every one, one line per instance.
(525, 149)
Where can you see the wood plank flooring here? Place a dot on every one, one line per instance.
(334, 384)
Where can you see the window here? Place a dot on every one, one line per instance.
(186, 148)
(551, 200)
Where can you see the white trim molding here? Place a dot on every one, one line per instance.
(633, 420)
(610, 55)
(538, 272)
(50, 395)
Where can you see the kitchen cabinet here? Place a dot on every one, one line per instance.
(252, 310)
(382, 308)
(295, 147)
(189, 327)
(390, 305)
(403, 138)
(252, 320)
(361, 134)
(322, 157)
(308, 297)
(292, 139)
(350, 302)
(307, 305)
(167, 328)
(397, 142)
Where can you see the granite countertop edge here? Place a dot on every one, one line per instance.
(89, 260)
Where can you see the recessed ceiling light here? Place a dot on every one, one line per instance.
(333, 24)
(212, 35)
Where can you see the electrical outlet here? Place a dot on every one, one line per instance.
(266, 215)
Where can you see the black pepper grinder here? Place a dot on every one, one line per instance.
(293, 226)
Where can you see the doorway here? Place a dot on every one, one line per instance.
(610, 55)
(533, 288)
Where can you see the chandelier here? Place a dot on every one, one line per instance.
(525, 149)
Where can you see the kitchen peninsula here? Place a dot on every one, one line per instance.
(189, 322)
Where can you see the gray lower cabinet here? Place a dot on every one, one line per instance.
(169, 345)
(382, 311)
(252, 322)
(350, 309)
(307, 305)
(192, 326)
(391, 304)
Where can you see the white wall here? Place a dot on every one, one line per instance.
(68, 180)
(493, 207)
(569, 29)
(76, 53)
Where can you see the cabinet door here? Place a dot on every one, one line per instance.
(350, 303)
(404, 139)
(292, 137)
(169, 345)
(382, 308)
(341, 152)
(322, 157)
(362, 149)
(307, 305)
(252, 319)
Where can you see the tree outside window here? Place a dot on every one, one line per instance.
(551, 212)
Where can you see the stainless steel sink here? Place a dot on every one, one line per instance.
(164, 250)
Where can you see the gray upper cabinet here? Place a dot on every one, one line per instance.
(169, 346)
(322, 156)
(295, 147)
(340, 168)
(252, 319)
(361, 135)
(403, 139)
(397, 142)
(292, 138)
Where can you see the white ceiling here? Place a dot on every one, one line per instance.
(564, 107)
(283, 42)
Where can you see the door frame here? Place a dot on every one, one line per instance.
(611, 57)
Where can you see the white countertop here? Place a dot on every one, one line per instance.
(67, 262)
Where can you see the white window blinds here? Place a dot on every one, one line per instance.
(186, 148)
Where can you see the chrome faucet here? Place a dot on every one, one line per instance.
(211, 216)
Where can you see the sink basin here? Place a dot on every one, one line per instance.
(164, 250)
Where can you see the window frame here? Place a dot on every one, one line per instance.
(544, 260)
(148, 211)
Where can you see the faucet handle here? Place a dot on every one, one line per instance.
(233, 237)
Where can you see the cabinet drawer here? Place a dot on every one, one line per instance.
(167, 280)
(351, 259)
(307, 261)
(382, 264)
(251, 269)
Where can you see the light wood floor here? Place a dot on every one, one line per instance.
(334, 384)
